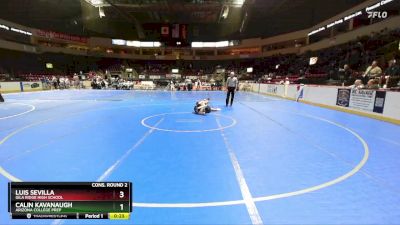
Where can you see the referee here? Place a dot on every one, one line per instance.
(231, 85)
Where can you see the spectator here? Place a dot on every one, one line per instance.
(198, 86)
(393, 68)
(76, 81)
(189, 84)
(345, 74)
(302, 77)
(392, 74)
(358, 84)
(62, 83)
(372, 84)
(373, 71)
(172, 85)
(54, 81)
(58, 82)
(67, 82)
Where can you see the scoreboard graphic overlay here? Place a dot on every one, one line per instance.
(70, 200)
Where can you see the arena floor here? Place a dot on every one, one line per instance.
(265, 160)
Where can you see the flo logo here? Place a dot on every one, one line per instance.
(376, 14)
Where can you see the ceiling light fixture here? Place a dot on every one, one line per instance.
(238, 3)
(101, 12)
(97, 3)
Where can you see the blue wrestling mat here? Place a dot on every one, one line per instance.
(262, 161)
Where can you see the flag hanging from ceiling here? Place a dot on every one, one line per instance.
(183, 31)
(165, 30)
(175, 31)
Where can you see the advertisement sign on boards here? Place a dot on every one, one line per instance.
(361, 99)
(31, 86)
(343, 97)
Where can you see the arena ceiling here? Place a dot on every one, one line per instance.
(133, 19)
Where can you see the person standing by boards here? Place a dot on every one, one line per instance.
(1, 97)
(232, 84)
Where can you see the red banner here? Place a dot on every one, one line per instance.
(60, 36)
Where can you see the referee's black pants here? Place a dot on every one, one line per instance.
(230, 93)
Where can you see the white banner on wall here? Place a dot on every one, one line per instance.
(192, 77)
(155, 77)
(177, 76)
(272, 89)
(362, 99)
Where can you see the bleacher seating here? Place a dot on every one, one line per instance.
(358, 54)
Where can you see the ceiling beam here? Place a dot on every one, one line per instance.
(130, 19)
